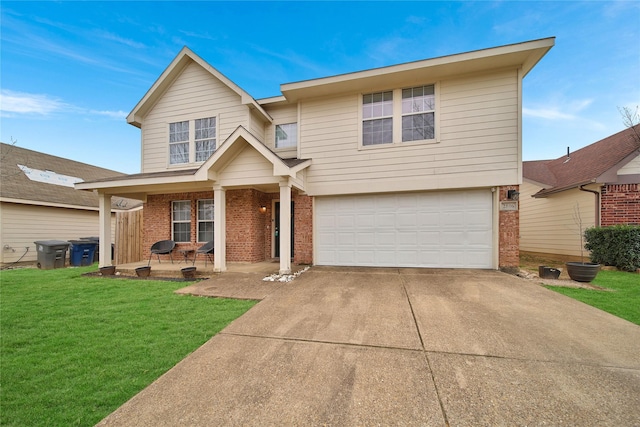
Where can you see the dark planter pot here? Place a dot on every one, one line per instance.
(143, 271)
(188, 272)
(108, 271)
(582, 271)
(548, 272)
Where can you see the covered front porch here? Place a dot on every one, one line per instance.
(245, 180)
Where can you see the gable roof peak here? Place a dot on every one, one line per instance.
(185, 57)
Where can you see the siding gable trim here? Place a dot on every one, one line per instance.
(232, 146)
(179, 63)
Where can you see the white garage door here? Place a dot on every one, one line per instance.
(446, 230)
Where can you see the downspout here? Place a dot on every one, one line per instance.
(597, 202)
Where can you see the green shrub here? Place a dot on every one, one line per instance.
(617, 245)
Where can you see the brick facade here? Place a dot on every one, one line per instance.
(620, 204)
(509, 235)
(249, 233)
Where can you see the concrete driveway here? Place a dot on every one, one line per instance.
(353, 346)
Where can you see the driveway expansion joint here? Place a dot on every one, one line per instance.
(307, 340)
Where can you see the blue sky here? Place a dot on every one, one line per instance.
(72, 71)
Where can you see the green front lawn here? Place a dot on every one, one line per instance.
(75, 348)
(622, 297)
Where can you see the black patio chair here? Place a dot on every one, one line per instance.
(207, 250)
(162, 247)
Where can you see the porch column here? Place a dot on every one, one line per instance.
(104, 206)
(285, 227)
(219, 229)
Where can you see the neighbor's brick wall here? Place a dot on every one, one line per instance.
(509, 234)
(620, 204)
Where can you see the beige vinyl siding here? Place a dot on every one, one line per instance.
(257, 126)
(547, 224)
(631, 168)
(249, 167)
(478, 145)
(22, 225)
(281, 115)
(193, 95)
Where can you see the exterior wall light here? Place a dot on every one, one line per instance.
(513, 194)
(263, 209)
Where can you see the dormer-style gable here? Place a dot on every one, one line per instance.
(184, 58)
(189, 111)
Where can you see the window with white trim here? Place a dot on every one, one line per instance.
(399, 116)
(418, 111)
(287, 135)
(192, 140)
(178, 142)
(205, 138)
(205, 220)
(181, 221)
(377, 118)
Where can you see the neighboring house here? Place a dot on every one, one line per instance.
(407, 165)
(600, 181)
(38, 201)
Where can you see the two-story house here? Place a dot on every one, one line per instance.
(407, 166)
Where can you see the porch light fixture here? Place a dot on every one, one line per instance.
(263, 209)
(513, 194)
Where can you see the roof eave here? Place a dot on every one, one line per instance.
(522, 55)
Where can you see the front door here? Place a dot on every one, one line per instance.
(276, 230)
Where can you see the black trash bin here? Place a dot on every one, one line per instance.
(82, 252)
(51, 253)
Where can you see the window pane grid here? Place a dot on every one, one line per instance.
(377, 115)
(287, 135)
(205, 220)
(181, 221)
(418, 104)
(178, 142)
(205, 138)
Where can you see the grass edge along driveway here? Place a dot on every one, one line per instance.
(74, 348)
(621, 296)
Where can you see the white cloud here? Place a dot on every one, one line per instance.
(116, 38)
(27, 103)
(14, 104)
(113, 114)
(569, 111)
(547, 113)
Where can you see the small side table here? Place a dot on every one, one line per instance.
(186, 254)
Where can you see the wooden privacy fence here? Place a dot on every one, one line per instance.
(128, 239)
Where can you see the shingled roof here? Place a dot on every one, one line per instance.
(17, 186)
(583, 166)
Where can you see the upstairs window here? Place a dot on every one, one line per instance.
(418, 109)
(205, 220)
(287, 135)
(192, 140)
(181, 221)
(205, 138)
(399, 116)
(377, 118)
(178, 142)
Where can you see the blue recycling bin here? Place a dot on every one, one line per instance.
(81, 252)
